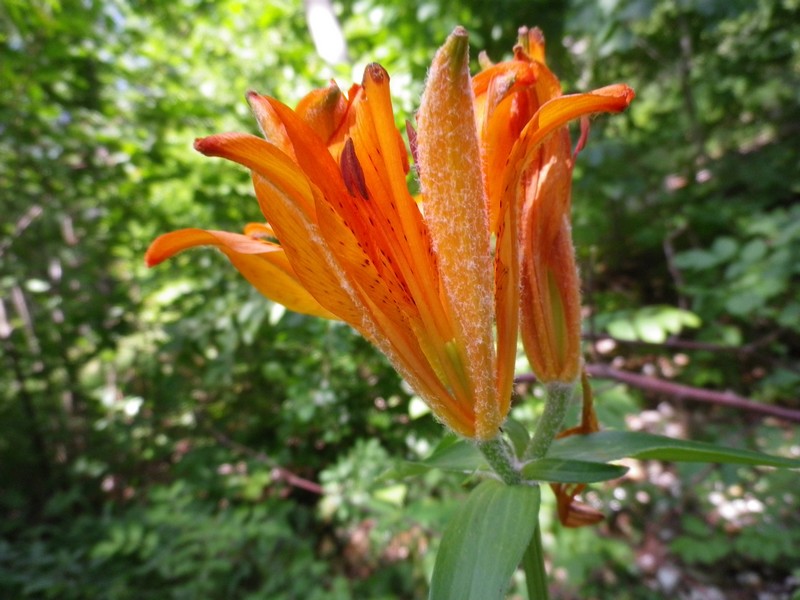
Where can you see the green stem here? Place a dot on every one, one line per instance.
(533, 565)
(500, 459)
(549, 424)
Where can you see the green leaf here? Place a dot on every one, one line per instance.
(484, 542)
(650, 323)
(754, 250)
(724, 248)
(559, 470)
(452, 454)
(518, 435)
(743, 303)
(455, 454)
(613, 445)
(696, 259)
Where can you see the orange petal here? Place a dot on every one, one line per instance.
(550, 300)
(513, 73)
(553, 115)
(391, 308)
(395, 218)
(313, 157)
(265, 159)
(549, 193)
(310, 257)
(350, 234)
(323, 110)
(507, 281)
(551, 311)
(264, 265)
(561, 110)
(506, 116)
(455, 209)
(551, 297)
(259, 231)
(572, 513)
(270, 125)
(322, 262)
(532, 43)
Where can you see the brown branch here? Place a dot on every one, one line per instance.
(687, 344)
(686, 392)
(277, 472)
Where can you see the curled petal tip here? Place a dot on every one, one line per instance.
(156, 253)
(211, 144)
(630, 94)
(150, 261)
(619, 91)
(375, 73)
(623, 91)
(201, 145)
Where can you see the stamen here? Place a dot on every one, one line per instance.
(352, 173)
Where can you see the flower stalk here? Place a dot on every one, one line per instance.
(501, 460)
(557, 397)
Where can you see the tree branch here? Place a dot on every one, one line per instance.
(278, 473)
(687, 344)
(686, 392)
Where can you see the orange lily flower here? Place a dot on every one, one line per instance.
(515, 100)
(525, 145)
(344, 238)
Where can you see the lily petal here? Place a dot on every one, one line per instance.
(456, 215)
(265, 159)
(264, 265)
(323, 110)
(270, 125)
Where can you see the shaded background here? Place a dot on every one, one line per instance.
(171, 434)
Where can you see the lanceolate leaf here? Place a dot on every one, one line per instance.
(559, 470)
(518, 435)
(606, 446)
(452, 454)
(485, 542)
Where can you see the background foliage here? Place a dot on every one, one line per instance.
(170, 434)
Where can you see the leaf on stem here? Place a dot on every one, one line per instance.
(606, 446)
(559, 470)
(484, 542)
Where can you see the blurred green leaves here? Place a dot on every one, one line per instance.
(652, 324)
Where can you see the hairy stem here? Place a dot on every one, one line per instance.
(501, 460)
(556, 400)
